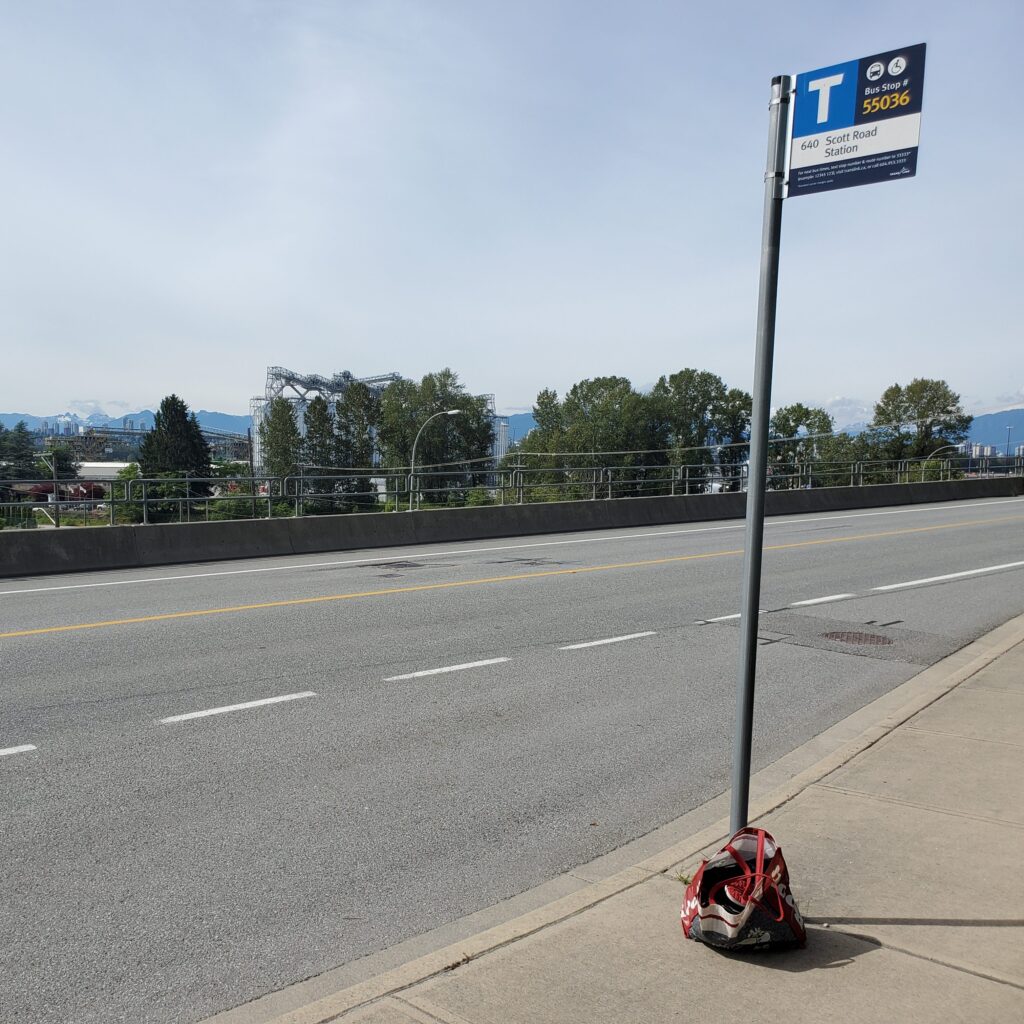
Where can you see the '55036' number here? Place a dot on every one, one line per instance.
(889, 101)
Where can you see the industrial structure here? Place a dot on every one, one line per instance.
(300, 389)
(113, 443)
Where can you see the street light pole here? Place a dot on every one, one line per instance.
(416, 441)
(1009, 427)
(51, 464)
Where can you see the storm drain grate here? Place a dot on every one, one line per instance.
(845, 636)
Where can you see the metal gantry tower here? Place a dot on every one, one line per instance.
(299, 389)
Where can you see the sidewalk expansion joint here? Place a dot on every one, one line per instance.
(998, 689)
(921, 807)
(421, 1005)
(961, 968)
(418, 1012)
(960, 736)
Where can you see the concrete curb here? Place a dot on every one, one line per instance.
(771, 788)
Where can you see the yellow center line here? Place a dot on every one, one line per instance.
(293, 602)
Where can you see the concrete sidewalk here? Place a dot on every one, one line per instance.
(904, 843)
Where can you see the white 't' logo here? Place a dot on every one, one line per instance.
(823, 86)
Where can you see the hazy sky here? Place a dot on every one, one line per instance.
(527, 191)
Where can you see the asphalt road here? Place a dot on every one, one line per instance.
(161, 866)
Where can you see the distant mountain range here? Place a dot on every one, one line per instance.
(142, 420)
(991, 428)
(519, 425)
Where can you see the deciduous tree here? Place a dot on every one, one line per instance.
(406, 405)
(691, 404)
(732, 431)
(913, 421)
(796, 432)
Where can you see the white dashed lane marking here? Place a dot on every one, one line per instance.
(951, 576)
(237, 707)
(445, 669)
(609, 640)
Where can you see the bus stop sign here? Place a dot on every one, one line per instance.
(857, 123)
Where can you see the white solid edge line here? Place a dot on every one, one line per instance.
(237, 707)
(610, 640)
(23, 749)
(950, 576)
(446, 668)
(821, 600)
(412, 550)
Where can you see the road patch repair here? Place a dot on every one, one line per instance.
(863, 806)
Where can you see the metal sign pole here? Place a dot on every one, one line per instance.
(774, 193)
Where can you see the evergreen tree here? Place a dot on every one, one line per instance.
(358, 422)
(280, 440)
(175, 446)
(20, 454)
(319, 447)
(319, 452)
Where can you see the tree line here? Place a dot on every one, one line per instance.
(690, 417)
(693, 418)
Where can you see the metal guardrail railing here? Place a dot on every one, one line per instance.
(83, 502)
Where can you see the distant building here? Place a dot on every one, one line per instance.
(101, 470)
(501, 437)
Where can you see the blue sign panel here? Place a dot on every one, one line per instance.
(857, 123)
(830, 103)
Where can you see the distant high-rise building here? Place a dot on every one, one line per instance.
(981, 451)
(501, 438)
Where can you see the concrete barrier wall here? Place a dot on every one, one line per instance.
(38, 552)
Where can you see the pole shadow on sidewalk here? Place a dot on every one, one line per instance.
(945, 922)
(825, 950)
